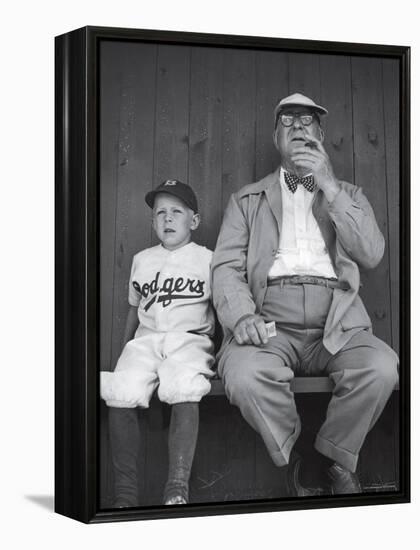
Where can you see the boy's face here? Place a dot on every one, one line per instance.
(173, 221)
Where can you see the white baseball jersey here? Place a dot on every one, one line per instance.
(172, 289)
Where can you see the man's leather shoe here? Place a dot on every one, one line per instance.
(343, 481)
(294, 486)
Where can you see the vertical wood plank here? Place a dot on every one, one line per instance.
(272, 85)
(172, 114)
(335, 72)
(105, 470)
(134, 172)
(212, 472)
(304, 75)
(392, 144)
(239, 81)
(171, 144)
(224, 463)
(378, 462)
(205, 140)
(370, 173)
(392, 147)
(109, 130)
(109, 127)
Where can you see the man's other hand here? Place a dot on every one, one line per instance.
(251, 330)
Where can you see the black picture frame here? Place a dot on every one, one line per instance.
(77, 312)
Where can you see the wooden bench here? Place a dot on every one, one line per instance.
(310, 384)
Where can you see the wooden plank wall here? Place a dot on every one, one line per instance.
(205, 116)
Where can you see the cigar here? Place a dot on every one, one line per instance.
(311, 144)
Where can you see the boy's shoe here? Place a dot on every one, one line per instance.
(176, 500)
(176, 492)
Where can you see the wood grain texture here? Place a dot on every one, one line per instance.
(172, 114)
(109, 132)
(392, 145)
(134, 173)
(305, 75)
(335, 74)
(239, 91)
(272, 84)
(370, 174)
(205, 140)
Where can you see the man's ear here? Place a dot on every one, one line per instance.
(275, 138)
(195, 222)
(321, 134)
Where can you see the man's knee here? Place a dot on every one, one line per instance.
(249, 371)
(382, 368)
(239, 379)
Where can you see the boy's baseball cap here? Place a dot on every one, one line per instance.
(177, 189)
(298, 100)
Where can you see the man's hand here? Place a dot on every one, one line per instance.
(251, 330)
(313, 158)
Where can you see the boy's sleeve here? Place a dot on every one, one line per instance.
(133, 293)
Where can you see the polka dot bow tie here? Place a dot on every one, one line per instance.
(293, 181)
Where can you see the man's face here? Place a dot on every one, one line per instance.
(287, 138)
(173, 221)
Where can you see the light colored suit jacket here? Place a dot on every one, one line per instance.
(249, 239)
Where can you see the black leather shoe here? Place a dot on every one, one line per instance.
(294, 486)
(343, 481)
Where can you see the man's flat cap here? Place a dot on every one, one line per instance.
(297, 100)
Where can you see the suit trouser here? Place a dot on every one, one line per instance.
(257, 379)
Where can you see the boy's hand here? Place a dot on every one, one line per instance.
(251, 330)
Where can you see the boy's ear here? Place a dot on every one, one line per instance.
(195, 222)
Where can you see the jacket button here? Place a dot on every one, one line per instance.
(262, 284)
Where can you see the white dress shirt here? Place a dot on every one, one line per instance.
(302, 249)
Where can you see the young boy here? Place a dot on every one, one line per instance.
(172, 321)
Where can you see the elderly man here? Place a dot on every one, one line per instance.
(286, 281)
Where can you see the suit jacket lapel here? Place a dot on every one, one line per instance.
(273, 194)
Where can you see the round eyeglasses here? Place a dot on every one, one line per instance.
(288, 120)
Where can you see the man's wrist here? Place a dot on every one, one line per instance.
(242, 318)
(331, 190)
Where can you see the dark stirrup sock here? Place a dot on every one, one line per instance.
(182, 440)
(124, 434)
